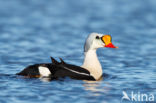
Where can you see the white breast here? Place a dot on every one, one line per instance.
(92, 64)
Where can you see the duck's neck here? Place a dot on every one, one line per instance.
(92, 64)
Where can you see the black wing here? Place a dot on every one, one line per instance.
(72, 71)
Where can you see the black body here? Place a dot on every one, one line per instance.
(58, 70)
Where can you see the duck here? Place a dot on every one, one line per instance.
(90, 70)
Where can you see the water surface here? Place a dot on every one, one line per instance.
(33, 30)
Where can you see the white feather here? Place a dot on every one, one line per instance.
(77, 72)
(44, 71)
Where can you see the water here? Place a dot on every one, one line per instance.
(33, 30)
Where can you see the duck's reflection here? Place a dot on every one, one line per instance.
(45, 79)
(97, 87)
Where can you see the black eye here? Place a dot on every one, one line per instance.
(97, 37)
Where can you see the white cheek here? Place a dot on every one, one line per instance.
(94, 45)
(44, 71)
(99, 44)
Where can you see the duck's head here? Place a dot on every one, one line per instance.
(95, 41)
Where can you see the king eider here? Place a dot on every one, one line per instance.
(90, 70)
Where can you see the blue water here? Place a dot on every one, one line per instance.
(33, 30)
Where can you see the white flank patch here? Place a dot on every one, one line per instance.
(44, 71)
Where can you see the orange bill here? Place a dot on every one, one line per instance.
(107, 39)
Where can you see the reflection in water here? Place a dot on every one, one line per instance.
(96, 87)
(45, 79)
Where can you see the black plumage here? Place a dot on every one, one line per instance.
(58, 70)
